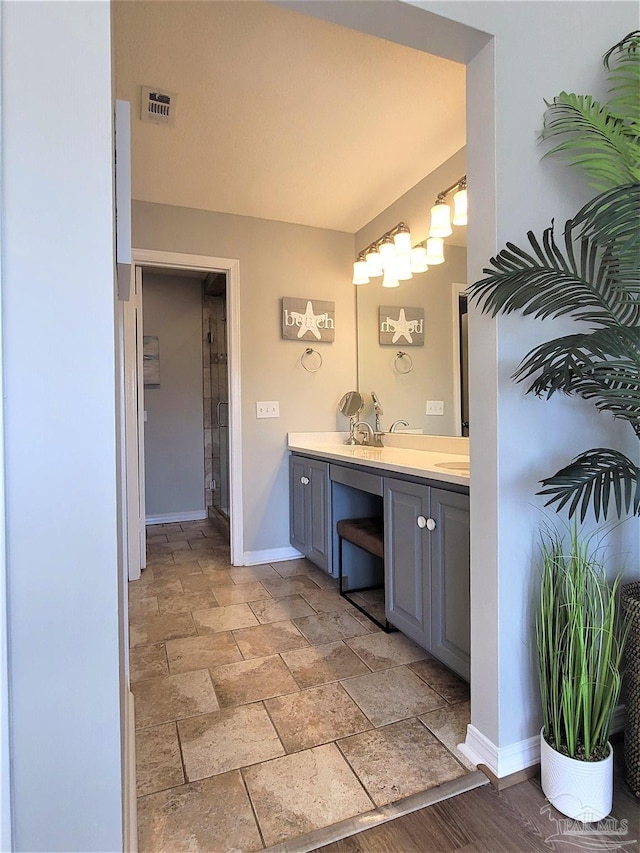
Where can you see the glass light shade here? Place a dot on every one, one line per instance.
(387, 251)
(460, 207)
(419, 259)
(402, 241)
(374, 263)
(360, 275)
(403, 268)
(435, 251)
(390, 278)
(440, 220)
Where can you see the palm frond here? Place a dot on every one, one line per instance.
(624, 80)
(613, 220)
(612, 216)
(550, 282)
(593, 139)
(603, 365)
(595, 476)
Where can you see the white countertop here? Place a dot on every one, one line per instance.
(402, 460)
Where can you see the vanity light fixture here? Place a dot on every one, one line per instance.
(435, 251)
(419, 259)
(441, 218)
(390, 277)
(460, 203)
(360, 270)
(374, 261)
(391, 254)
(402, 240)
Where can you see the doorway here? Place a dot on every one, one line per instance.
(204, 268)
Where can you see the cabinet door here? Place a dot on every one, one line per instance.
(406, 555)
(450, 607)
(298, 473)
(319, 514)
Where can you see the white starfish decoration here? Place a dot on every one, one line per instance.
(308, 321)
(402, 328)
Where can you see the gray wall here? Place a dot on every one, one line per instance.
(405, 396)
(173, 432)
(276, 259)
(60, 443)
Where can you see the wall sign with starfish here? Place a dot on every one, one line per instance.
(308, 319)
(401, 326)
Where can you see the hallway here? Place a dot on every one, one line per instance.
(267, 706)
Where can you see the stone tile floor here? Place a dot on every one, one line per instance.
(267, 706)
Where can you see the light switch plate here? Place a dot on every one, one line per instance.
(435, 407)
(268, 409)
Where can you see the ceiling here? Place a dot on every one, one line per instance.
(279, 115)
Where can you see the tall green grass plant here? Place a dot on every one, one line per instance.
(580, 641)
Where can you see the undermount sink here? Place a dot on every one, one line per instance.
(462, 467)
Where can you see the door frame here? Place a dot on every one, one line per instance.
(457, 290)
(149, 258)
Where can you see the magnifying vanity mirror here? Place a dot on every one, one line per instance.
(350, 405)
(433, 395)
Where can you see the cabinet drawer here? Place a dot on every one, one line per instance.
(371, 483)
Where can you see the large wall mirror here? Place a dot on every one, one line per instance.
(435, 371)
(432, 373)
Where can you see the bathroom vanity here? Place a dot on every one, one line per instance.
(420, 486)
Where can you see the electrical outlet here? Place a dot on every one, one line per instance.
(435, 407)
(268, 409)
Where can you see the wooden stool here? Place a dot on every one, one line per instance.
(368, 535)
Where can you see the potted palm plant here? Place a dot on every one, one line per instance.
(591, 274)
(580, 647)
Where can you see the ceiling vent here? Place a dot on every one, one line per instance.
(156, 106)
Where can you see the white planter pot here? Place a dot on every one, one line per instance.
(582, 790)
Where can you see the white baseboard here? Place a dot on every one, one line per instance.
(501, 761)
(172, 517)
(130, 800)
(517, 756)
(271, 555)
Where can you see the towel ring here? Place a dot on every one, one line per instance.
(402, 358)
(307, 356)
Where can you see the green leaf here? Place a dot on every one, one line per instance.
(624, 79)
(592, 476)
(592, 138)
(549, 282)
(612, 219)
(603, 365)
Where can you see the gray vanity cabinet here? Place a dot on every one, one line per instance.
(450, 594)
(427, 568)
(406, 559)
(309, 509)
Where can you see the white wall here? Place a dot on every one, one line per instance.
(173, 431)
(60, 487)
(276, 259)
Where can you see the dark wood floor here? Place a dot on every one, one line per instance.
(516, 820)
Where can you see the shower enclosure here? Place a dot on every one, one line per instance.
(216, 399)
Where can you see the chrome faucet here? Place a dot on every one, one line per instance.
(398, 423)
(367, 432)
(370, 438)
